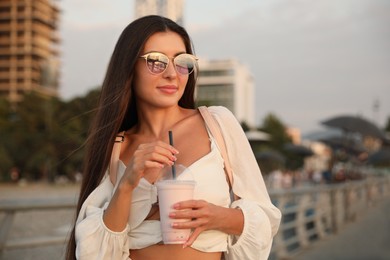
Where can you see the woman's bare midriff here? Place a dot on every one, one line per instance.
(172, 252)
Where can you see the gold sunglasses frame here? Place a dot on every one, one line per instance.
(145, 57)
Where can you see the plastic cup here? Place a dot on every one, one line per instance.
(169, 193)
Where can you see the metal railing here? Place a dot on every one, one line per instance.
(312, 213)
(309, 214)
(9, 209)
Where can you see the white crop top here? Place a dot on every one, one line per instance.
(211, 185)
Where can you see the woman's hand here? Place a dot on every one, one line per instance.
(147, 157)
(206, 216)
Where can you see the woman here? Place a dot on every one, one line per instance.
(149, 90)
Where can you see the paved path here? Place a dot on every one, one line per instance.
(32, 223)
(368, 238)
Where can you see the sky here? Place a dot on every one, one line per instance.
(310, 60)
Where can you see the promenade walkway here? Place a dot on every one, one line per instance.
(368, 238)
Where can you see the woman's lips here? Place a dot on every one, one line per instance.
(168, 89)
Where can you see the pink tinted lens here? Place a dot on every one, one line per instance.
(184, 63)
(157, 62)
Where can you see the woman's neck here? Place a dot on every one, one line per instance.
(156, 122)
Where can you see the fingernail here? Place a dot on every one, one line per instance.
(184, 245)
(172, 214)
(174, 224)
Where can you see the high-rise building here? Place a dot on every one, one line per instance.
(172, 9)
(29, 52)
(227, 83)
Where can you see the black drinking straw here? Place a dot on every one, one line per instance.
(173, 166)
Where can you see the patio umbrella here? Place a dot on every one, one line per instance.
(298, 149)
(270, 156)
(349, 145)
(269, 161)
(380, 157)
(355, 124)
(257, 136)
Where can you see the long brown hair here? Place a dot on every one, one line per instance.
(116, 110)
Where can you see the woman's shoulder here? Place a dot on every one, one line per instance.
(221, 112)
(227, 121)
(218, 109)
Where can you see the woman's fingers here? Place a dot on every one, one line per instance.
(200, 212)
(159, 147)
(156, 152)
(148, 156)
(159, 152)
(194, 235)
(190, 204)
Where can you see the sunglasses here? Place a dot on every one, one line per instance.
(157, 62)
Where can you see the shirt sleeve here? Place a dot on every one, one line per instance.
(255, 241)
(261, 217)
(93, 239)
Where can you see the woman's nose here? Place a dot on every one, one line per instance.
(170, 71)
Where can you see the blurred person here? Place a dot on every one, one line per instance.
(147, 91)
(327, 176)
(14, 174)
(276, 179)
(317, 177)
(287, 180)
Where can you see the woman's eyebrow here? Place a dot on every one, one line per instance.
(176, 54)
(182, 52)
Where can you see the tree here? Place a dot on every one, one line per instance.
(26, 135)
(73, 121)
(276, 129)
(43, 137)
(6, 161)
(245, 126)
(387, 127)
(279, 138)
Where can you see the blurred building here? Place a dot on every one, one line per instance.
(227, 83)
(29, 55)
(173, 9)
(294, 134)
(321, 161)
